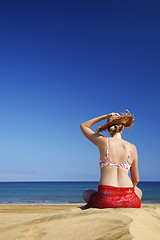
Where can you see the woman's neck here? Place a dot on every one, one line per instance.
(117, 135)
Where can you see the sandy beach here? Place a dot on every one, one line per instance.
(67, 222)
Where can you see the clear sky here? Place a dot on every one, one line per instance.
(65, 62)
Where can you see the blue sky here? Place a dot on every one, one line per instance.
(65, 62)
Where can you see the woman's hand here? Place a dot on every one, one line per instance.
(111, 114)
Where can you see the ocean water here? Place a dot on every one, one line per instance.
(62, 192)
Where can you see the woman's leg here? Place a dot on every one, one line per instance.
(87, 194)
(138, 192)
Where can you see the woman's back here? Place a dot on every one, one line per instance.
(115, 165)
(117, 156)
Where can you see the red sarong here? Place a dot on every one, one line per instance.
(114, 197)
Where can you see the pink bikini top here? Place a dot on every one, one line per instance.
(106, 163)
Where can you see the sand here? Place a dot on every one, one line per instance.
(71, 222)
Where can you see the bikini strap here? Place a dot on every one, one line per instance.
(129, 153)
(107, 148)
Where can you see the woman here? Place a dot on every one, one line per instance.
(117, 157)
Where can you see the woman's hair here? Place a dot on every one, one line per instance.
(115, 123)
(111, 129)
(115, 128)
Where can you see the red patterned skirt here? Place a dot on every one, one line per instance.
(114, 197)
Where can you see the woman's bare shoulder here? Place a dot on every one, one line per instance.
(130, 144)
(103, 138)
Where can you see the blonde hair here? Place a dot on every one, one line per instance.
(115, 128)
(115, 123)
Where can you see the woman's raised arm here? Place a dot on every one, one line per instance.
(88, 133)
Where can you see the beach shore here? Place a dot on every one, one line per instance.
(71, 222)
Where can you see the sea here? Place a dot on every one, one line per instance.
(62, 192)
